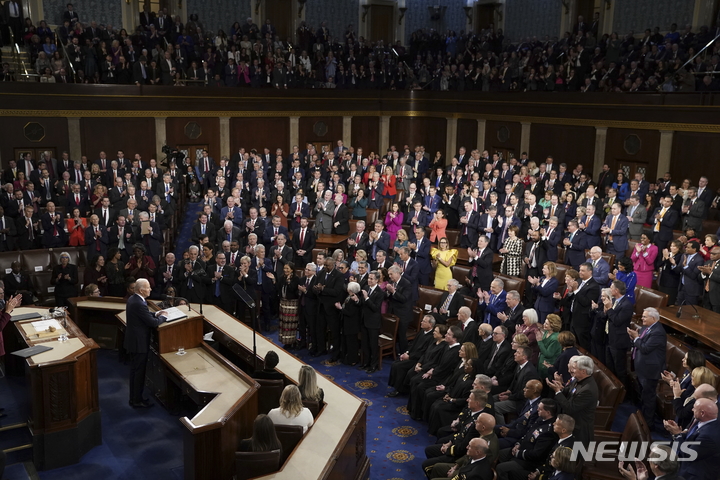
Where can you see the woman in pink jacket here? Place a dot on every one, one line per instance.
(643, 258)
(393, 222)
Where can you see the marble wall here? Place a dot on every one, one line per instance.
(637, 15)
(219, 14)
(337, 14)
(419, 15)
(102, 11)
(528, 18)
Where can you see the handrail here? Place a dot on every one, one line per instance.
(65, 53)
(701, 51)
(16, 55)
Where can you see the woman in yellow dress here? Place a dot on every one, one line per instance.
(444, 258)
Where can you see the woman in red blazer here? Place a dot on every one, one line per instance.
(388, 180)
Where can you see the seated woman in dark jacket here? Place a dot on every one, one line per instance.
(264, 438)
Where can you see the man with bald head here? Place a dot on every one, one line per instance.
(512, 432)
(140, 321)
(684, 406)
(702, 438)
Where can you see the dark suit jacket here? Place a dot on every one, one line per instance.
(371, 316)
(649, 351)
(693, 281)
(12, 286)
(343, 217)
(139, 323)
(575, 252)
(520, 378)
(479, 470)
(401, 301)
(579, 400)
(456, 302)
(545, 301)
(495, 365)
(334, 288)
(267, 267)
(667, 224)
(196, 231)
(65, 288)
(422, 257)
(582, 305)
(419, 345)
(484, 269)
(618, 319)
(704, 467)
(92, 244)
(307, 245)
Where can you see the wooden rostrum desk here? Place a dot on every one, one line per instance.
(64, 417)
(334, 448)
(705, 329)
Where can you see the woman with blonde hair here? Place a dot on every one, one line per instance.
(291, 410)
(444, 258)
(307, 384)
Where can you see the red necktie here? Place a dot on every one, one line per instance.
(302, 236)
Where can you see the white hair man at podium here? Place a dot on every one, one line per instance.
(137, 339)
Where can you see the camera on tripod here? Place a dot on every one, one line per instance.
(172, 154)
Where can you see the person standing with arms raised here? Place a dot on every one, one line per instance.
(137, 339)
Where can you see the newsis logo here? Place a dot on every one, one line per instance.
(631, 451)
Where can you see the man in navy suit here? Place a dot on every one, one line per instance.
(469, 226)
(378, 239)
(664, 219)
(551, 237)
(410, 271)
(421, 247)
(137, 339)
(575, 245)
(601, 269)
(153, 239)
(232, 212)
(492, 302)
(487, 225)
(263, 268)
(303, 242)
(204, 168)
(96, 238)
(400, 296)
(372, 299)
(649, 358)
(703, 439)
(591, 224)
(619, 311)
(417, 218)
(616, 229)
(298, 211)
(587, 291)
(690, 290)
(480, 260)
(271, 233)
(504, 223)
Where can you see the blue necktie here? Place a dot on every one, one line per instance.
(490, 302)
(693, 429)
(217, 286)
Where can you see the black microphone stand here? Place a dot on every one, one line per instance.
(248, 300)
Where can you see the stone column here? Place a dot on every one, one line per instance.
(295, 133)
(600, 142)
(160, 136)
(384, 133)
(481, 134)
(347, 131)
(525, 137)
(451, 137)
(74, 138)
(34, 9)
(665, 151)
(225, 136)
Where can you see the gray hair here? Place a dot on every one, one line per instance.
(260, 247)
(499, 282)
(585, 363)
(353, 287)
(531, 314)
(311, 266)
(484, 381)
(376, 275)
(652, 312)
(227, 222)
(193, 248)
(606, 292)
(144, 215)
(664, 459)
(361, 222)
(513, 294)
(454, 282)
(394, 269)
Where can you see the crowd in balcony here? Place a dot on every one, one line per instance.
(162, 50)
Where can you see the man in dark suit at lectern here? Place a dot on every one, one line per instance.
(137, 339)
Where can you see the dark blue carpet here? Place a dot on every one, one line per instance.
(183, 238)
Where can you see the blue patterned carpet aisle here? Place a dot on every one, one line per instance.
(183, 239)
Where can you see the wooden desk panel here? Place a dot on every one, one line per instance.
(706, 329)
(65, 410)
(335, 445)
(331, 242)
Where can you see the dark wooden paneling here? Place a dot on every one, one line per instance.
(695, 155)
(366, 134)
(493, 143)
(210, 135)
(333, 133)
(259, 133)
(615, 151)
(571, 145)
(428, 131)
(466, 135)
(131, 135)
(56, 136)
